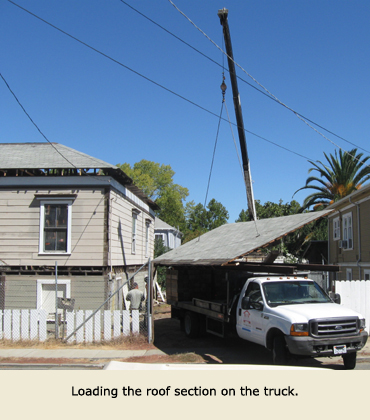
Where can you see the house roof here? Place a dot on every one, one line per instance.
(230, 242)
(161, 225)
(38, 159)
(46, 156)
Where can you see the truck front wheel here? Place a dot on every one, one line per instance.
(191, 325)
(349, 360)
(279, 350)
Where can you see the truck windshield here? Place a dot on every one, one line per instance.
(293, 292)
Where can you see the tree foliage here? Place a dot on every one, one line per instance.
(200, 219)
(270, 209)
(339, 177)
(159, 249)
(156, 181)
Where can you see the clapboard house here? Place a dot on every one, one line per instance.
(349, 235)
(64, 212)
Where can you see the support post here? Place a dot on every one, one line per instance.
(56, 302)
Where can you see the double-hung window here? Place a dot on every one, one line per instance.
(147, 234)
(135, 213)
(55, 226)
(347, 230)
(336, 229)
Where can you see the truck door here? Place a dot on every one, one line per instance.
(249, 323)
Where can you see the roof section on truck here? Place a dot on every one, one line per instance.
(231, 242)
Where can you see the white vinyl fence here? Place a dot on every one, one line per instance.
(25, 324)
(355, 294)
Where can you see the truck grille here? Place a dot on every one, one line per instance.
(334, 327)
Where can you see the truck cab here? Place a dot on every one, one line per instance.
(294, 316)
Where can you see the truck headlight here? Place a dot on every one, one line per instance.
(299, 329)
(362, 324)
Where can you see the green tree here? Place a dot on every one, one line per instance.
(270, 209)
(338, 178)
(159, 249)
(156, 181)
(200, 219)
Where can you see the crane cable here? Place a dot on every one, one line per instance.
(214, 150)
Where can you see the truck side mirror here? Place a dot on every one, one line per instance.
(245, 303)
(337, 298)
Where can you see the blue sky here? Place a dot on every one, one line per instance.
(312, 55)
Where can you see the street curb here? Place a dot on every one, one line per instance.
(97, 366)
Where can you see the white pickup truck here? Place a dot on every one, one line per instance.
(294, 315)
(287, 315)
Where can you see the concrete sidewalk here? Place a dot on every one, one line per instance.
(96, 354)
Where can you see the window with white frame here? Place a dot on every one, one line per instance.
(349, 274)
(366, 274)
(347, 230)
(336, 229)
(55, 226)
(134, 231)
(160, 236)
(147, 231)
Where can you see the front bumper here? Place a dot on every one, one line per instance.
(316, 347)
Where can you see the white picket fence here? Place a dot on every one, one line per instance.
(355, 294)
(23, 324)
(32, 324)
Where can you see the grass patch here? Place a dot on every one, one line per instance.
(120, 343)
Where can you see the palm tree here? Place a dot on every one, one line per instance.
(339, 178)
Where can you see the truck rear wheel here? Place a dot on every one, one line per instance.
(191, 325)
(349, 360)
(279, 350)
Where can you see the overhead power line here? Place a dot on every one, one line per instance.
(33, 122)
(150, 80)
(268, 95)
(306, 121)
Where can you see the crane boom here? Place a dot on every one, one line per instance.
(222, 14)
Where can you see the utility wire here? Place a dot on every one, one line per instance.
(259, 84)
(214, 153)
(270, 96)
(33, 122)
(152, 81)
(43, 135)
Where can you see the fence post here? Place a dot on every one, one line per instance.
(150, 300)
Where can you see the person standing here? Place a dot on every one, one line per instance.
(135, 297)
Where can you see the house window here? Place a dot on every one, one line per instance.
(349, 274)
(55, 227)
(366, 274)
(134, 231)
(147, 230)
(347, 230)
(160, 236)
(336, 229)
